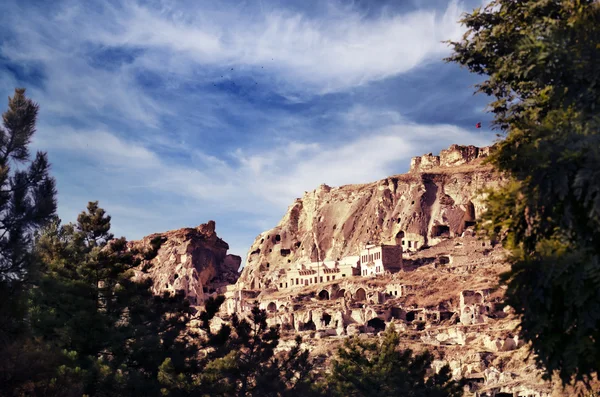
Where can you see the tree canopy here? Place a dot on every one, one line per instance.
(381, 369)
(541, 62)
(125, 340)
(27, 202)
(88, 304)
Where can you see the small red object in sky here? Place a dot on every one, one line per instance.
(478, 125)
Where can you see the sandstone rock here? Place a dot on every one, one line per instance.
(501, 345)
(444, 297)
(422, 207)
(194, 260)
(353, 329)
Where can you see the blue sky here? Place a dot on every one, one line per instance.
(171, 113)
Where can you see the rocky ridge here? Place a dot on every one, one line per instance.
(445, 298)
(194, 260)
(439, 197)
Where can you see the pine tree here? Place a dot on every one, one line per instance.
(244, 362)
(542, 63)
(124, 340)
(89, 305)
(380, 369)
(27, 201)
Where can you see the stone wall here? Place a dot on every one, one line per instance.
(455, 155)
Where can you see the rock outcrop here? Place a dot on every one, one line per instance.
(194, 260)
(437, 199)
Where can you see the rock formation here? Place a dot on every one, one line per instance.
(444, 297)
(438, 198)
(194, 260)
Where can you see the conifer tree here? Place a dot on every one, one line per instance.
(27, 201)
(244, 362)
(380, 369)
(541, 60)
(124, 340)
(89, 305)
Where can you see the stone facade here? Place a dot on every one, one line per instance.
(473, 307)
(320, 272)
(455, 155)
(377, 259)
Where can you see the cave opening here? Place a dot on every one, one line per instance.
(396, 313)
(377, 324)
(440, 231)
(470, 224)
(309, 326)
(399, 237)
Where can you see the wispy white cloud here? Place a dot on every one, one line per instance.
(321, 54)
(100, 145)
(372, 155)
(128, 119)
(261, 179)
(329, 53)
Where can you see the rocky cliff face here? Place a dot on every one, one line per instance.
(444, 299)
(194, 260)
(438, 198)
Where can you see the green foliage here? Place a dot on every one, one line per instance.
(88, 302)
(27, 201)
(378, 369)
(543, 66)
(245, 363)
(538, 55)
(31, 368)
(129, 341)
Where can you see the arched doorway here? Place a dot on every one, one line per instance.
(360, 295)
(323, 295)
(339, 294)
(399, 237)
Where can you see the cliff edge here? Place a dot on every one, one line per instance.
(194, 260)
(437, 199)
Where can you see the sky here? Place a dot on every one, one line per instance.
(173, 113)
